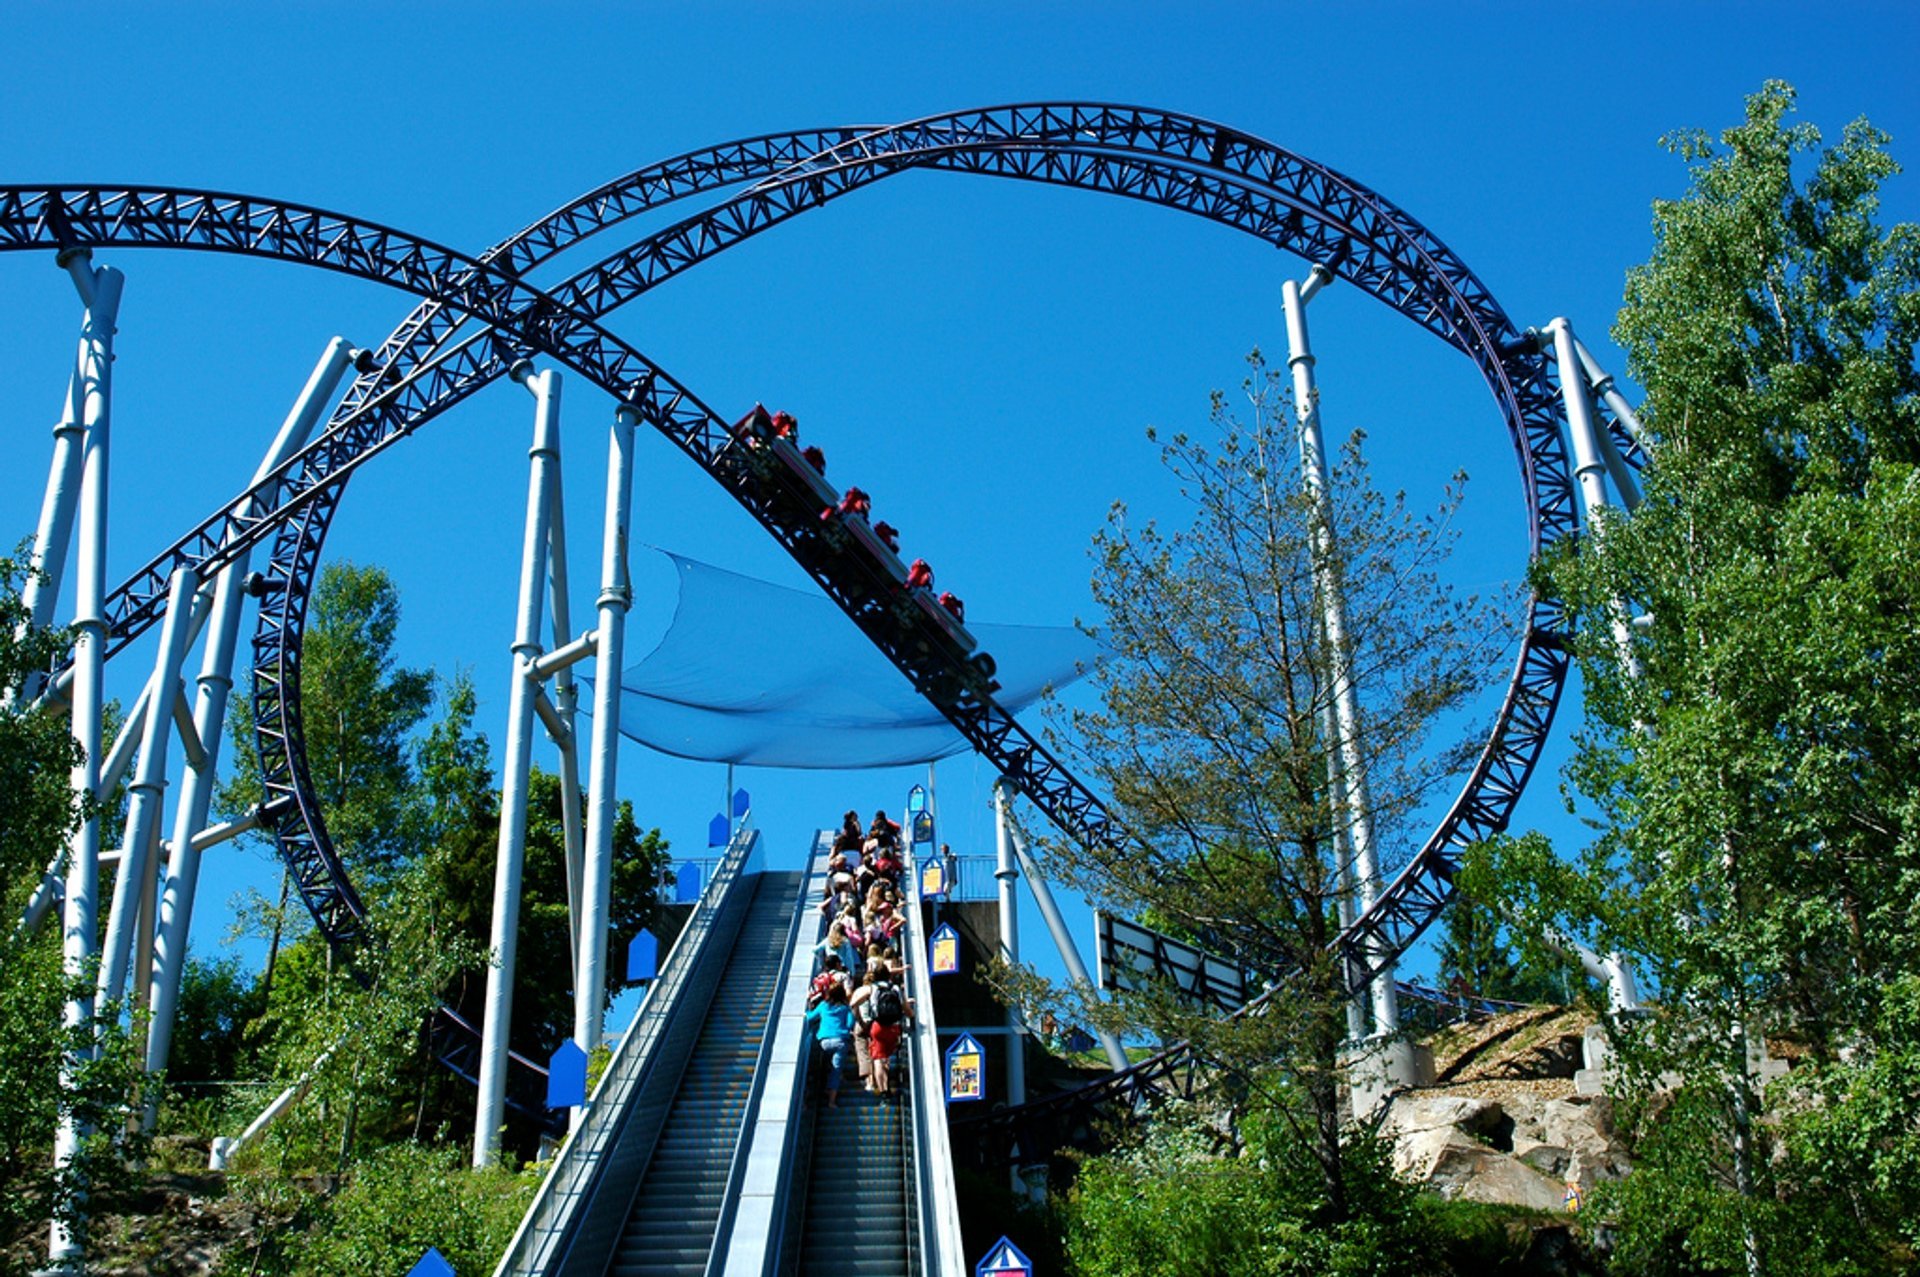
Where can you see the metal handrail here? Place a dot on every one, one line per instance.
(536, 1244)
(938, 1197)
(793, 952)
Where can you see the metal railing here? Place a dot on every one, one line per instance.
(936, 1196)
(540, 1239)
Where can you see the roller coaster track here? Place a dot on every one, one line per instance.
(421, 370)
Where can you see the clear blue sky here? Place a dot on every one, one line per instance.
(982, 356)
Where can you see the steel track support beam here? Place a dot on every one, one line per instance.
(1006, 873)
(1590, 473)
(101, 293)
(616, 597)
(1063, 941)
(147, 794)
(516, 769)
(566, 704)
(1352, 799)
(214, 688)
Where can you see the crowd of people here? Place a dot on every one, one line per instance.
(857, 1004)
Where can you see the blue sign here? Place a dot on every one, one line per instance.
(432, 1264)
(742, 803)
(933, 879)
(966, 1070)
(643, 958)
(916, 799)
(1004, 1260)
(567, 1076)
(943, 951)
(719, 832)
(686, 883)
(922, 827)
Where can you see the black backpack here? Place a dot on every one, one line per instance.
(888, 1008)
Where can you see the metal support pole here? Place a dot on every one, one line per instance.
(616, 596)
(102, 295)
(1609, 392)
(516, 768)
(214, 687)
(1354, 802)
(1007, 874)
(55, 530)
(1063, 941)
(1590, 471)
(566, 702)
(147, 794)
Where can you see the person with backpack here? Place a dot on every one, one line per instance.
(832, 972)
(891, 1010)
(833, 1029)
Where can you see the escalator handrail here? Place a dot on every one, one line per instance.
(938, 1202)
(539, 1242)
(781, 1135)
(798, 950)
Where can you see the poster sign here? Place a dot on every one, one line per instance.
(1004, 1260)
(933, 880)
(966, 1070)
(943, 951)
(567, 1076)
(916, 799)
(643, 958)
(922, 828)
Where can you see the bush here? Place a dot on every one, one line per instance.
(407, 1197)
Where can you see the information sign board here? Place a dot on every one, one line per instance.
(966, 1070)
(1004, 1260)
(943, 951)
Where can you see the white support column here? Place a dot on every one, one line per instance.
(1063, 941)
(1352, 789)
(1589, 468)
(55, 530)
(147, 794)
(616, 596)
(1006, 873)
(101, 292)
(214, 687)
(517, 765)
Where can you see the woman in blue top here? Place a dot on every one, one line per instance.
(833, 1030)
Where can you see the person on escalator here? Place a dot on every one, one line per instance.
(849, 837)
(882, 832)
(833, 1029)
(891, 1011)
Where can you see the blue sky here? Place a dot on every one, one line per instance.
(981, 356)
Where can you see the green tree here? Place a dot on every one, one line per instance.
(1758, 852)
(39, 813)
(1477, 960)
(1209, 736)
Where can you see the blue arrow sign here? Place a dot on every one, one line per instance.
(686, 883)
(643, 958)
(432, 1264)
(742, 803)
(1004, 1260)
(719, 832)
(966, 1070)
(567, 1077)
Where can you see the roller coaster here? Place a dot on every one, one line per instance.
(479, 319)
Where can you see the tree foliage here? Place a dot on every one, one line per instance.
(1758, 856)
(1210, 735)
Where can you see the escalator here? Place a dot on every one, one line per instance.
(678, 1203)
(869, 1183)
(859, 1217)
